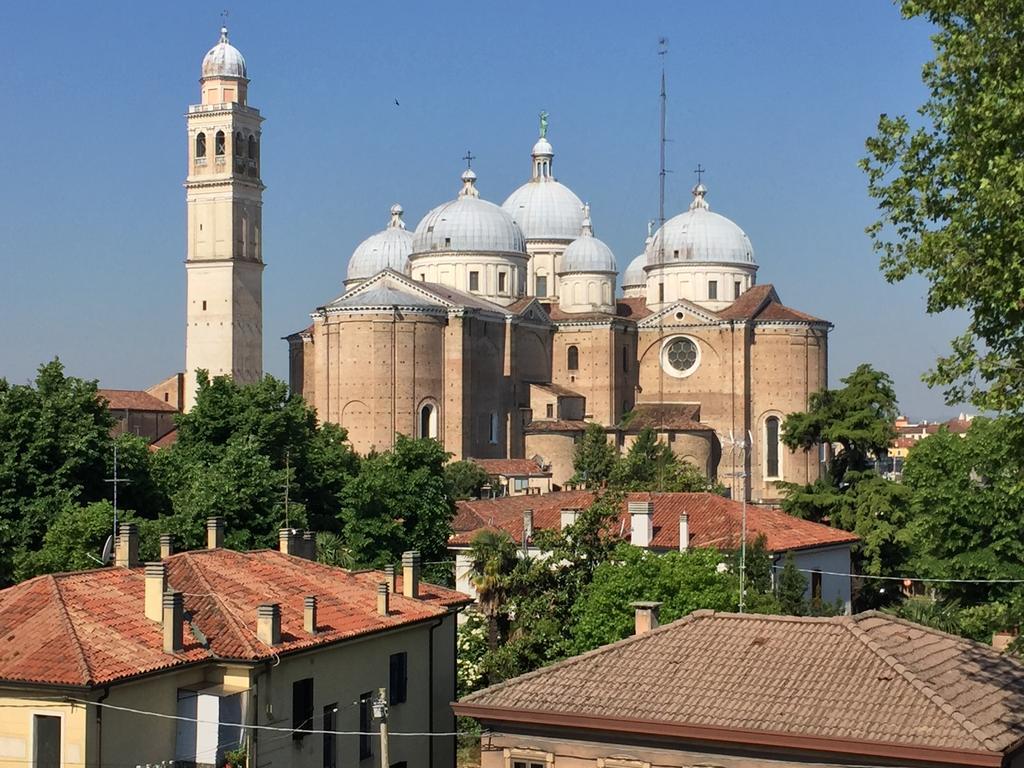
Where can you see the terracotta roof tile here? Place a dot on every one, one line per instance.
(633, 308)
(869, 677)
(714, 521)
(555, 425)
(166, 441)
(95, 631)
(133, 400)
(512, 467)
(681, 416)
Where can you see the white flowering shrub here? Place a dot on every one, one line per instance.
(471, 645)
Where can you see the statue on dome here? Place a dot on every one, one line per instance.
(543, 124)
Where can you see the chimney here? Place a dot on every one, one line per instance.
(268, 623)
(309, 614)
(286, 540)
(411, 573)
(309, 545)
(568, 517)
(172, 618)
(166, 545)
(684, 532)
(390, 573)
(127, 546)
(156, 585)
(641, 526)
(383, 599)
(214, 532)
(527, 526)
(646, 616)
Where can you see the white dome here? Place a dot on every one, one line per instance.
(700, 235)
(634, 276)
(387, 249)
(468, 223)
(223, 60)
(542, 207)
(586, 253)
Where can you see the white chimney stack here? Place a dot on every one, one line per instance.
(156, 585)
(568, 517)
(527, 526)
(684, 532)
(646, 616)
(215, 533)
(411, 573)
(641, 523)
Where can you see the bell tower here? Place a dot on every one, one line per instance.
(224, 197)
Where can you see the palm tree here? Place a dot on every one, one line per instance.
(494, 558)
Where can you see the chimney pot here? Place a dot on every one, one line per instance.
(127, 555)
(214, 532)
(391, 575)
(309, 545)
(411, 574)
(527, 526)
(641, 525)
(156, 585)
(172, 609)
(309, 614)
(568, 517)
(684, 532)
(286, 540)
(646, 616)
(268, 623)
(383, 599)
(166, 545)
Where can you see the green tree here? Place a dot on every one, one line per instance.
(682, 581)
(494, 558)
(792, 588)
(650, 465)
(54, 447)
(594, 457)
(949, 185)
(465, 479)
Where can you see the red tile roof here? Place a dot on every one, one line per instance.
(714, 521)
(762, 303)
(512, 467)
(89, 628)
(166, 441)
(633, 308)
(855, 680)
(133, 400)
(556, 425)
(680, 416)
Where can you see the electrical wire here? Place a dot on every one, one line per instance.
(905, 578)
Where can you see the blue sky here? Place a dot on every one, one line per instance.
(774, 99)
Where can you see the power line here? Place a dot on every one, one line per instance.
(905, 578)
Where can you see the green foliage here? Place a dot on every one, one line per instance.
(495, 557)
(398, 501)
(471, 647)
(464, 479)
(949, 185)
(332, 550)
(682, 581)
(593, 458)
(792, 588)
(650, 465)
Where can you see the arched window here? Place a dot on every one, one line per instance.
(218, 146)
(238, 144)
(572, 358)
(428, 420)
(252, 147)
(771, 448)
(201, 145)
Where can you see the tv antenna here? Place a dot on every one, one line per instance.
(742, 445)
(108, 546)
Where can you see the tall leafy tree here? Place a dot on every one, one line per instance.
(465, 479)
(650, 465)
(949, 184)
(494, 558)
(594, 457)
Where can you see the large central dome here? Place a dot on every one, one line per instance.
(468, 223)
(700, 235)
(387, 249)
(544, 208)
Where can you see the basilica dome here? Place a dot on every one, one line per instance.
(387, 249)
(634, 276)
(586, 253)
(698, 235)
(468, 223)
(544, 208)
(223, 60)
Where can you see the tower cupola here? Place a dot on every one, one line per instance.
(223, 75)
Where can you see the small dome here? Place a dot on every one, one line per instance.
(223, 60)
(634, 276)
(542, 207)
(700, 235)
(387, 249)
(468, 223)
(586, 253)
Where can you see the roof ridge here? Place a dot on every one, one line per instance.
(699, 614)
(69, 625)
(968, 725)
(233, 622)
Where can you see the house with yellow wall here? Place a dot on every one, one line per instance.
(209, 651)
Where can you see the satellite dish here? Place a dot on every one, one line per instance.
(108, 550)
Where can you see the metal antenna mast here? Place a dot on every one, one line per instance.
(115, 481)
(662, 52)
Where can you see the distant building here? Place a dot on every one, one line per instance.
(139, 413)
(263, 638)
(908, 434)
(664, 522)
(742, 690)
(516, 477)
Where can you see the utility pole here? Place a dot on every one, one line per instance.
(115, 481)
(380, 711)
